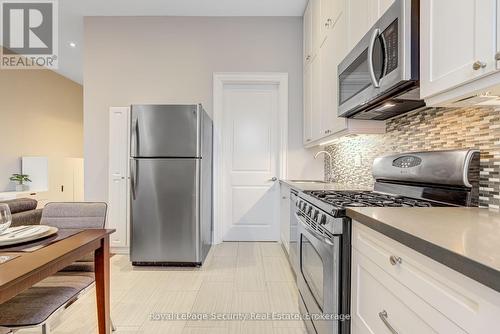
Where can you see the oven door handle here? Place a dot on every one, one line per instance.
(375, 34)
(313, 232)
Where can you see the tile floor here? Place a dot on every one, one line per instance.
(238, 277)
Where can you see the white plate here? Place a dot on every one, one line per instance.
(34, 233)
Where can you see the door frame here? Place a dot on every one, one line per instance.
(219, 80)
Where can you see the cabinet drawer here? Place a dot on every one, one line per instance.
(380, 304)
(470, 305)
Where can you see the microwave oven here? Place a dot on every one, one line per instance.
(379, 78)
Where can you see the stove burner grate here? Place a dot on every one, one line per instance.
(343, 199)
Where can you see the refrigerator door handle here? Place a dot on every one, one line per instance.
(135, 138)
(133, 176)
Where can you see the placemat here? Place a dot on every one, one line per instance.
(32, 246)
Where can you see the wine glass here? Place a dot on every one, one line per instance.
(5, 217)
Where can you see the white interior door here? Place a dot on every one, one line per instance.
(118, 175)
(250, 154)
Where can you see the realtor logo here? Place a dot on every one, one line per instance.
(29, 34)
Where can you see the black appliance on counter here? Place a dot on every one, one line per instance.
(321, 256)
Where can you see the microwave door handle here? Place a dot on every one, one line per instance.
(375, 34)
(386, 56)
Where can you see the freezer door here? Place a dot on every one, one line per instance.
(164, 210)
(165, 131)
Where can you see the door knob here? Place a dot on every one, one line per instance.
(273, 179)
(478, 65)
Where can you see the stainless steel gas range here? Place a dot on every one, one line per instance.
(321, 245)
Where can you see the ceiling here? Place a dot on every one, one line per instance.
(71, 13)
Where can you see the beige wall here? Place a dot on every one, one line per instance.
(133, 60)
(41, 114)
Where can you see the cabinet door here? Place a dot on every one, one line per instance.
(327, 18)
(307, 122)
(118, 175)
(316, 25)
(383, 5)
(285, 215)
(497, 55)
(316, 98)
(361, 16)
(330, 53)
(307, 31)
(454, 52)
(382, 305)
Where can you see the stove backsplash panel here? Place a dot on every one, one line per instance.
(425, 130)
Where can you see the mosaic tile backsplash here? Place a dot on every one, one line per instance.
(424, 130)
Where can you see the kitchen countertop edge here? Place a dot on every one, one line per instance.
(462, 264)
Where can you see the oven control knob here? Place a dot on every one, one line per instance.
(298, 203)
(309, 211)
(322, 220)
(304, 205)
(315, 216)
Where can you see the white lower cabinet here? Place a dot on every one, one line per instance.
(381, 303)
(397, 290)
(285, 215)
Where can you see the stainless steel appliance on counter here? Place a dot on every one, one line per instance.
(379, 78)
(171, 184)
(323, 240)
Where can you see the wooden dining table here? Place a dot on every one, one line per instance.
(28, 268)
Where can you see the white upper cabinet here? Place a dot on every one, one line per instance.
(457, 46)
(497, 55)
(361, 16)
(316, 98)
(307, 31)
(327, 19)
(330, 13)
(331, 54)
(326, 29)
(307, 105)
(383, 5)
(316, 25)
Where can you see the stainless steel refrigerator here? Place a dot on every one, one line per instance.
(171, 184)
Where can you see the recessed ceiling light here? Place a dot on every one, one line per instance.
(72, 44)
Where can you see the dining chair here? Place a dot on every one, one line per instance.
(35, 306)
(74, 215)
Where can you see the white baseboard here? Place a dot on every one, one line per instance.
(120, 250)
